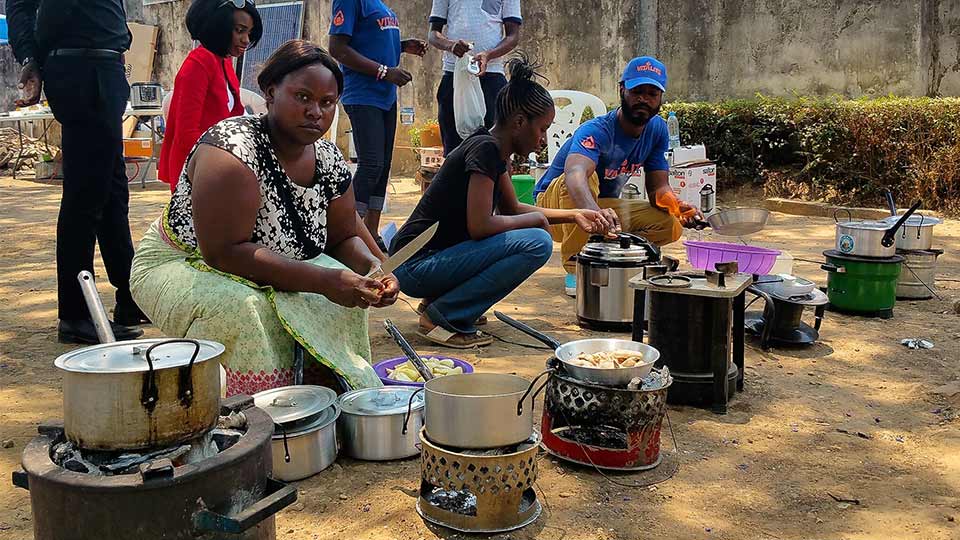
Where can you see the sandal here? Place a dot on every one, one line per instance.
(479, 322)
(446, 338)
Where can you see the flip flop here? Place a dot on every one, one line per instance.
(446, 338)
(479, 322)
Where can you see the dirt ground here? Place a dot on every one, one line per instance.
(765, 470)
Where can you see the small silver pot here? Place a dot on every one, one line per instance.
(916, 234)
(372, 423)
(308, 450)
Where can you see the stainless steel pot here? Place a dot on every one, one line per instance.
(146, 95)
(129, 395)
(604, 270)
(918, 276)
(371, 423)
(477, 410)
(869, 238)
(916, 233)
(307, 450)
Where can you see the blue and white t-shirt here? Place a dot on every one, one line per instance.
(475, 21)
(618, 156)
(375, 33)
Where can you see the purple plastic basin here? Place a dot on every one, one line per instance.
(382, 366)
(751, 259)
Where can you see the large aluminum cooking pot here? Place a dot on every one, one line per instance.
(372, 423)
(875, 239)
(141, 393)
(477, 410)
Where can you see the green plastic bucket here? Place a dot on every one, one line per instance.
(523, 186)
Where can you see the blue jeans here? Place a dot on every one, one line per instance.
(463, 281)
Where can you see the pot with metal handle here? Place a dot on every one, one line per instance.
(129, 395)
(876, 239)
(571, 350)
(477, 410)
(373, 420)
(309, 449)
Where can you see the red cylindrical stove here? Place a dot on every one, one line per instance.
(607, 427)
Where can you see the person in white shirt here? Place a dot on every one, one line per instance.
(492, 27)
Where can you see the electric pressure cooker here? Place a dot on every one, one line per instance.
(604, 269)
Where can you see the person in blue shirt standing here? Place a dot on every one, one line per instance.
(593, 165)
(365, 39)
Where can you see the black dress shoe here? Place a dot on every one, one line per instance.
(129, 315)
(82, 331)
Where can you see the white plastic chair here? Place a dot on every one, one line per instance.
(253, 103)
(567, 120)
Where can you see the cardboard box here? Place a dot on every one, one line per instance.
(696, 184)
(686, 154)
(138, 61)
(133, 148)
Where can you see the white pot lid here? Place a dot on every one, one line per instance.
(131, 356)
(290, 404)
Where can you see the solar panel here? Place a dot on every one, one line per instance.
(281, 23)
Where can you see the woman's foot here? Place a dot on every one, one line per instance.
(455, 340)
(423, 307)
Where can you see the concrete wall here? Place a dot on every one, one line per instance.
(713, 49)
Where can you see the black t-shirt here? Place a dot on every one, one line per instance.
(445, 201)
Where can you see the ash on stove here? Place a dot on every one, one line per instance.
(599, 436)
(459, 502)
(105, 463)
(499, 451)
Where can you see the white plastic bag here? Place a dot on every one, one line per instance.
(468, 105)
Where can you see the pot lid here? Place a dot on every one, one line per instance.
(130, 356)
(289, 404)
(382, 401)
(324, 419)
(866, 225)
(624, 248)
(834, 254)
(915, 221)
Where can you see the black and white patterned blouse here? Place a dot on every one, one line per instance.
(292, 219)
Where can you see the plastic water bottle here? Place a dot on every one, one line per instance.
(405, 97)
(673, 128)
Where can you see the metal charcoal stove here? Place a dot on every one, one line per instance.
(602, 426)
(781, 321)
(479, 491)
(226, 495)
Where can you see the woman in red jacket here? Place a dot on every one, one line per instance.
(206, 89)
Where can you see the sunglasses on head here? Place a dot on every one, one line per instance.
(236, 3)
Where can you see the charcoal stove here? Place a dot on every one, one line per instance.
(781, 321)
(479, 491)
(602, 426)
(229, 495)
(695, 320)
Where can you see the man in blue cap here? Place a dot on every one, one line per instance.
(593, 165)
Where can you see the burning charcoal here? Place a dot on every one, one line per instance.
(75, 465)
(225, 438)
(62, 452)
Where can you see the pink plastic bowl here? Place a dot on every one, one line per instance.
(751, 259)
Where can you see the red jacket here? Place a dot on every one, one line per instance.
(199, 101)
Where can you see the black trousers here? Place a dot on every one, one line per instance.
(491, 83)
(374, 131)
(88, 97)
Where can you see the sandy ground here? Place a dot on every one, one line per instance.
(762, 471)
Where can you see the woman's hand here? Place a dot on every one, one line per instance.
(595, 222)
(416, 47)
(391, 289)
(353, 290)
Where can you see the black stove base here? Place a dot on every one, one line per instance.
(880, 313)
(696, 389)
(801, 336)
(604, 326)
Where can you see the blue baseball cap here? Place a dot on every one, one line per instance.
(645, 70)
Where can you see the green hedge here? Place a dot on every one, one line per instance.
(841, 151)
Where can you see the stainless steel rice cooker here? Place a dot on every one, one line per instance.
(146, 95)
(604, 269)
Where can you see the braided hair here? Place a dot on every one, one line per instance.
(522, 94)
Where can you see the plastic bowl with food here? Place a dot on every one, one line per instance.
(386, 368)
